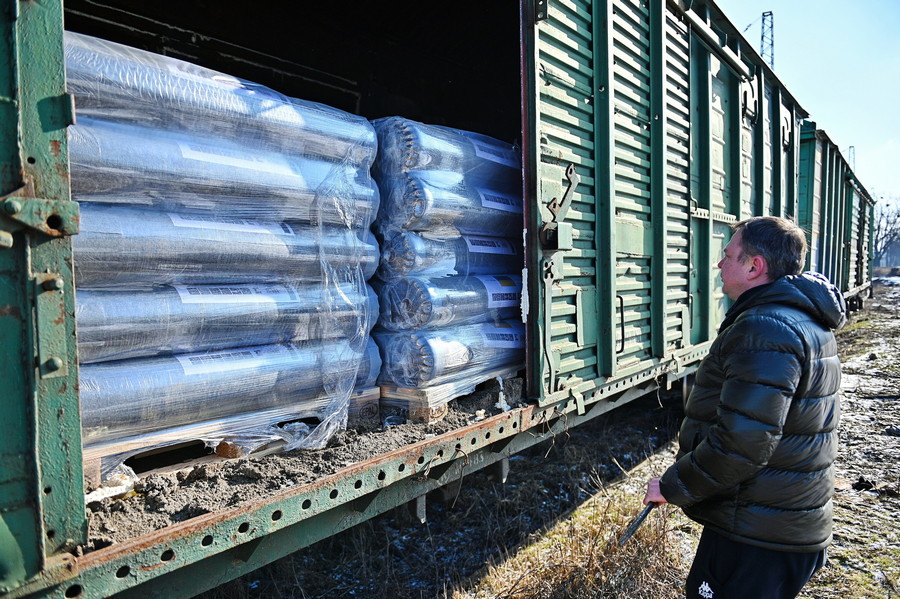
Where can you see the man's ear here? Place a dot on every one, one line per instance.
(758, 268)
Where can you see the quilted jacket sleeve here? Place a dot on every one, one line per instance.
(744, 392)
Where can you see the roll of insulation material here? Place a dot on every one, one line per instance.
(405, 145)
(126, 398)
(414, 254)
(124, 163)
(125, 84)
(128, 247)
(425, 303)
(451, 354)
(118, 324)
(437, 201)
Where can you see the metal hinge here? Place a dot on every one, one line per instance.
(540, 10)
(56, 218)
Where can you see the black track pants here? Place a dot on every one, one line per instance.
(725, 569)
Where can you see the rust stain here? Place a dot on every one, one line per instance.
(13, 311)
(55, 148)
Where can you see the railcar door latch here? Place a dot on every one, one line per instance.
(554, 233)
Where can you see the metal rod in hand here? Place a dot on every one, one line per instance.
(636, 523)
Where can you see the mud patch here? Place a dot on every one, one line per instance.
(160, 500)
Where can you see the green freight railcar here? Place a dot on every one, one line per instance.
(837, 213)
(646, 128)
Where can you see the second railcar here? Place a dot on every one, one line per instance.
(838, 214)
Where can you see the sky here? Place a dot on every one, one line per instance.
(841, 61)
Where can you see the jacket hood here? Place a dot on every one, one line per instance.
(810, 292)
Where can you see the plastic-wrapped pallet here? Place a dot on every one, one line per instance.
(116, 82)
(433, 357)
(217, 215)
(115, 324)
(129, 247)
(414, 303)
(127, 164)
(451, 219)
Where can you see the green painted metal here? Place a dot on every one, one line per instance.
(837, 211)
(659, 197)
(605, 232)
(705, 315)
(778, 135)
(41, 490)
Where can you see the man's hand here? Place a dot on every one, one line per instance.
(653, 493)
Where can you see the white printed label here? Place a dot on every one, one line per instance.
(500, 201)
(488, 245)
(449, 355)
(503, 291)
(489, 151)
(217, 155)
(235, 294)
(502, 336)
(234, 359)
(218, 223)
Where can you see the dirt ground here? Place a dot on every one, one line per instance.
(864, 560)
(485, 522)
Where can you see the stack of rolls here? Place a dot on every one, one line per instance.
(450, 226)
(225, 250)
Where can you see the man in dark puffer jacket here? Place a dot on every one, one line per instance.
(760, 430)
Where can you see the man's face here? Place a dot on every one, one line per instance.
(735, 269)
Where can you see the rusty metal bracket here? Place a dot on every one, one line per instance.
(552, 273)
(555, 234)
(56, 218)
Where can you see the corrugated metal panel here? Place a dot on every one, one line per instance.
(565, 131)
(836, 210)
(633, 159)
(678, 132)
(672, 138)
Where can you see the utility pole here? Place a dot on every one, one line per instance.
(767, 38)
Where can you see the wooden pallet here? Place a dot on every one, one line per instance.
(182, 447)
(431, 404)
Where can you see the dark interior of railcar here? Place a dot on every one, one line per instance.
(453, 64)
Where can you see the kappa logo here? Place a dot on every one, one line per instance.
(705, 591)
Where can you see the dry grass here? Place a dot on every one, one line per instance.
(580, 557)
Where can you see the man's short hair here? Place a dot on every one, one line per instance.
(780, 242)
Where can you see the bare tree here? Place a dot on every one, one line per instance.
(887, 228)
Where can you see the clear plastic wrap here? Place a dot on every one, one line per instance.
(405, 145)
(427, 303)
(128, 247)
(414, 254)
(447, 202)
(117, 324)
(252, 386)
(120, 83)
(125, 163)
(216, 215)
(434, 357)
